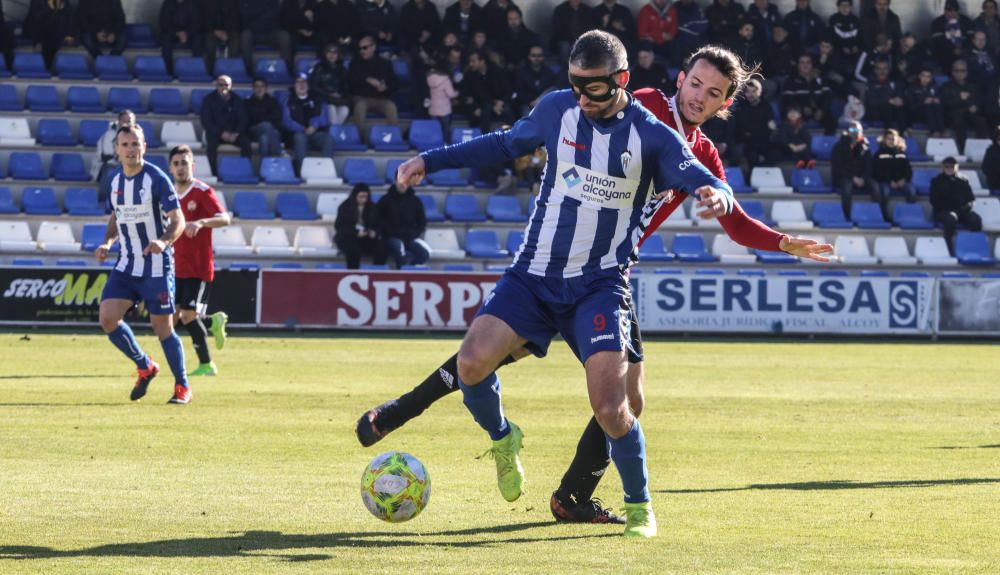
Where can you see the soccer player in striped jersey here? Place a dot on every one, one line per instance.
(610, 164)
(195, 263)
(146, 219)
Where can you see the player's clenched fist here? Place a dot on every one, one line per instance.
(411, 172)
(714, 201)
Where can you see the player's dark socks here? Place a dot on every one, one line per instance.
(588, 466)
(196, 329)
(124, 340)
(174, 350)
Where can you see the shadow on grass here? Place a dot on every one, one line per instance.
(252, 542)
(66, 404)
(842, 484)
(997, 446)
(58, 376)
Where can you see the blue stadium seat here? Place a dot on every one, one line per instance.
(55, 132)
(653, 250)
(830, 214)
(62, 262)
(514, 240)
(755, 209)
(868, 216)
(484, 244)
(286, 266)
(274, 70)
(734, 176)
(768, 257)
(9, 101)
(158, 160)
(402, 70)
(912, 274)
(922, 179)
(294, 206)
(236, 170)
(83, 202)
(152, 136)
(43, 99)
(415, 268)
(709, 272)
(192, 70)
(7, 201)
(152, 69)
(278, 170)
(973, 249)
(27, 262)
(110, 68)
(375, 267)
(751, 272)
(459, 135)
(92, 236)
(72, 67)
(197, 96)
(426, 134)
(874, 274)
(458, 268)
(305, 65)
(234, 68)
(26, 166)
(244, 266)
(346, 138)
(505, 209)
(40, 202)
(834, 273)
(140, 36)
(91, 131)
(331, 266)
(822, 146)
(806, 181)
(911, 217)
(85, 100)
(252, 206)
(913, 151)
(167, 101)
(463, 208)
(385, 138)
(125, 99)
(30, 66)
(448, 178)
(690, 248)
(431, 211)
(68, 167)
(361, 171)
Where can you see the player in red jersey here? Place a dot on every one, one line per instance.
(195, 263)
(712, 77)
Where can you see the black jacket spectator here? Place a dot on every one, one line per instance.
(807, 92)
(880, 20)
(745, 45)
(356, 230)
(804, 26)
(962, 105)
(6, 41)
(724, 20)
(781, 53)
(336, 21)
(533, 80)
(94, 18)
(952, 201)
(463, 18)
(266, 109)
(988, 22)
(752, 128)
(402, 214)
(180, 24)
(794, 140)
(221, 22)
(951, 34)
(763, 20)
(613, 18)
(516, 41)
(991, 166)
(648, 73)
(379, 19)
(848, 161)
(494, 15)
(484, 93)
(298, 19)
(376, 67)
(50, 26)
(224, 114)
(846, 34)
(328, 82)
(423, 26)
(260, 21)
(891, 165)
(573, 18)
(884, 100)
(923, 102)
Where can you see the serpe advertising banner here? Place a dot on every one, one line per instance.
(969, 306)
(857, 305)
(379, 300)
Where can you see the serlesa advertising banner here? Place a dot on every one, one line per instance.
(969, 306)
(859, 305)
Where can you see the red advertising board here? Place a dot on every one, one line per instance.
(377, 300)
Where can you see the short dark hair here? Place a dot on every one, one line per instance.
(134, 129)
(729, 64)
(598, 49)
(181, 150)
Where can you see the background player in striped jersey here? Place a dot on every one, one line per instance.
(610, 164)
(146, 220)
(195, 263)
(711, 79)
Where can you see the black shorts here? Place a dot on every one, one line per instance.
(192, 294)
(635, 336)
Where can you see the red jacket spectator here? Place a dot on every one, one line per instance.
(657, 23)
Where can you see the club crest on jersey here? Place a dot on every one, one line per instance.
(626, 159)
(192, 205)
(571, 177)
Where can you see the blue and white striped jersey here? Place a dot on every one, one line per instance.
(140, 205)
(598, 179)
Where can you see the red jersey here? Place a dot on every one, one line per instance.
(743, 229)
(193, 256)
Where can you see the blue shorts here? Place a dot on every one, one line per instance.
(592, 313)
(156, 293)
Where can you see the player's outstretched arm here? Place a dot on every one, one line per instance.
(806, 248)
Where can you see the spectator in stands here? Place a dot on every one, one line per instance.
(463, 18)
(106, 159)
(854, 109)
(484, 94)
(180, 25)
(795, 140)
(692, 27)
(962, 109)
(616, 19)
(495, 18)
(371, 83)
(782, 54)
(988, 22)
(516, 42)
(305, 122)
(6, 41)
(804, 26)
(911, 59)
(864, 69)
(991, 162)
(263, 118)
(648, 73)
(335, 22)
(534, 80)
(657, 25)
(529, 168)
(752, 128)
(891, 169)
(807, 92)
(830, 67)
(880, 19)
(100, 26)
(441, 92)
(298, 19)
(763, 15)
(952, 201)
(884, 100)
(378, 20)
(422, 32)
(570, 20)
(221, 21)
(851, 169)
(951, 33)
(328, 82)
(724, 20)
(846, 32)
(980, 59)
(356, 228)
(924, 103)
(403, 221)
(49, 23)
(261, 22)
(224, 120)
(746, 46)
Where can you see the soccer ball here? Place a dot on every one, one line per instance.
(395, 487)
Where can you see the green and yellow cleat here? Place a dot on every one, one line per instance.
(219, 321)
(510, 473)
(639, 520)
(205, 369)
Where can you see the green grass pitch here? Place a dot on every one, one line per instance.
(787, 457)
